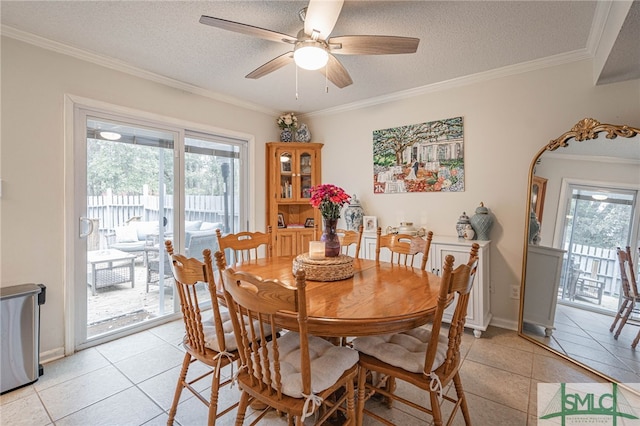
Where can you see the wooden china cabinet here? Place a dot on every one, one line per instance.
(292, 169)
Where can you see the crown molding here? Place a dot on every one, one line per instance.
(597, 158)
(117, 65)
(576, 55)
(550, 61)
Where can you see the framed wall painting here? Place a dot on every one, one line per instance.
(370, 223)
(425, 157)
(538, 189)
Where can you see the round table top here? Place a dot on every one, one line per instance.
(380, 297)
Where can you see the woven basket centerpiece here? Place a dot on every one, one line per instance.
(327, 269)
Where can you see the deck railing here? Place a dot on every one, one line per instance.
(110, 211)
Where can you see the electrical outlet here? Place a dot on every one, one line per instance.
(515, 292)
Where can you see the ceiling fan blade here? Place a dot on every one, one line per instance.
(321, 16)
(246, 29)
(372, 45)
(336, 73)
(271, 66)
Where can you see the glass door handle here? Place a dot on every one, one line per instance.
(89, 224)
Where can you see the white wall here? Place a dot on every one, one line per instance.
(506, 122)
(34, 84)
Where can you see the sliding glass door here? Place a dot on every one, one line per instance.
(598, 220)
(141, 184)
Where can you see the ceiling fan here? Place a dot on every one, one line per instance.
(313, 48)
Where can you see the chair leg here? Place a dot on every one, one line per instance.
(362, 378)
(624, 318)
(351, 409)
(435, 409)
(636, 340)
(462, 398)
(619, 314)
(242, 408)
(213, 402)
(181, 380)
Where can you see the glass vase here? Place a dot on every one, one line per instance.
(330, 238)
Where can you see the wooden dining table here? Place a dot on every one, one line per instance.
(380, 298)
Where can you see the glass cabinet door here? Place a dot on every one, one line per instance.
(306, 169)
(295, 174)
(286, 174)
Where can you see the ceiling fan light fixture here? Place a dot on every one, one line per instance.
(310, 56)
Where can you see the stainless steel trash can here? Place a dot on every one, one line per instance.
(20, 335)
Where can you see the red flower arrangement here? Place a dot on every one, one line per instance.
(329, 199)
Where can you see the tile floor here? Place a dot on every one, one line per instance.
(131, 381)
(584, 335)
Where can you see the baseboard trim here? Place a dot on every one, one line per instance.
(504, 323)
(51, 355)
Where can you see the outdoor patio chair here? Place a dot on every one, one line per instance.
(200, 242)
(152, 257)
(135, 236)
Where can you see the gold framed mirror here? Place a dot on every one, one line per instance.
(588, 181)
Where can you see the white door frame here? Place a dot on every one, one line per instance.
(75, 140)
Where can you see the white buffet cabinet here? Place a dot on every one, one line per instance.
(479, 308)
(544, 268)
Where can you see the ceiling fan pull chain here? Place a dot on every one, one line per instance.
(296, 82)
(326, 78)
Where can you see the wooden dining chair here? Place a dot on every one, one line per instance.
(210, 341)
(629, 286)
(349, 238)
(637, 339)
(404, 247)
(245, 246)
(423, 357)
(295, 373)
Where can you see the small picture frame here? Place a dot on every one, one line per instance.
(370, 223)
(309, 223)
(281, 223)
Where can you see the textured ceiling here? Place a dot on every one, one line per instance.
(457, 39)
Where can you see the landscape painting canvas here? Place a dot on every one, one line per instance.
(426, 157)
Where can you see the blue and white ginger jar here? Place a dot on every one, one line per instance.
(353, 214)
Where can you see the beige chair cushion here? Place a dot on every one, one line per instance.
(328, 363)
(126, 234)
(211, 339)
(406, 350)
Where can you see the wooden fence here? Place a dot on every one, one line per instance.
(111, 211)
(598, 263)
